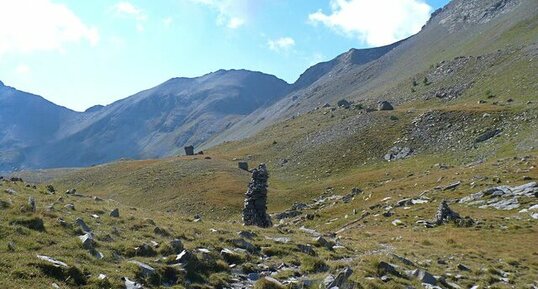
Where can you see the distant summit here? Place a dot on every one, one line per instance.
(94, 108)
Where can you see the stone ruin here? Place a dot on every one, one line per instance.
(445, 214)
(255, 210)
(189, 150)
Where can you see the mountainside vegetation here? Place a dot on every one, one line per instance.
(407, 166)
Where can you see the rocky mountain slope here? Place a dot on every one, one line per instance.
(462, 28)
(439, 192)
(153, 123)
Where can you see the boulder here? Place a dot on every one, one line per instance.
(384, 105)
(131, 284)
(397, 153)
(177, 246)
(32, 204)
(83, 225)
(87, 241)
(241, 243)
(307, 249)
(487, 135)
(243, 166)
(338, 281)
(115, 213)
(424, 276)
(145, 269)
(343, 103)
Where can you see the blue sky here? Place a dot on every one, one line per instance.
(80, 53)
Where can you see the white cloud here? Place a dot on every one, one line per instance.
(376, 23)
(167, 22)
(22, 69)
(40, 25)
(232, 13)
(128, 9)
(235, 23)
(281, 44)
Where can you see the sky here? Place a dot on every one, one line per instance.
(82, 53)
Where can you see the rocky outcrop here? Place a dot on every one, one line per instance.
(396, 153)
(501, 197)
(255, 209)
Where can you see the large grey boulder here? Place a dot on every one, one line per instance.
(338, 281)
(423, 275)
(83, 225)
(384, 105)
(145, 269)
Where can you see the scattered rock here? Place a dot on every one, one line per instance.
(387, 268)
(52, 261)
(87, 241)
(463, 267)
(10, 191)
(384, 105)
(397, 153)
(322, 242)
(83, 225)
(70, 206)
(145, 250)
(424, 276)
(338, 281)
(71, 191)
(32, 204)
(247, 234)
(243, 166)
(452, 186)
(145, 270)
(487, 135)
(115, 213)
(307, 249)
(11, 246)
(343, 103)
(241, 243)
(131, 284)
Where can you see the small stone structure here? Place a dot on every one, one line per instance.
(255, 210)
(189, 150)
(243, 165)
(445, 214)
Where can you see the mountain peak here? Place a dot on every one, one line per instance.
(1, 83)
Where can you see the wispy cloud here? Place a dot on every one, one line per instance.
(281, 44)
(40, 25)
(126, 9)
(232, 13)
(378, 22)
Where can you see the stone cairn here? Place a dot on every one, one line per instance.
(255, 210)
(445, 214)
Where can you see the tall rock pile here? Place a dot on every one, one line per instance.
(255, 210)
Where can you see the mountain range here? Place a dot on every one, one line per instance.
(230, 105)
